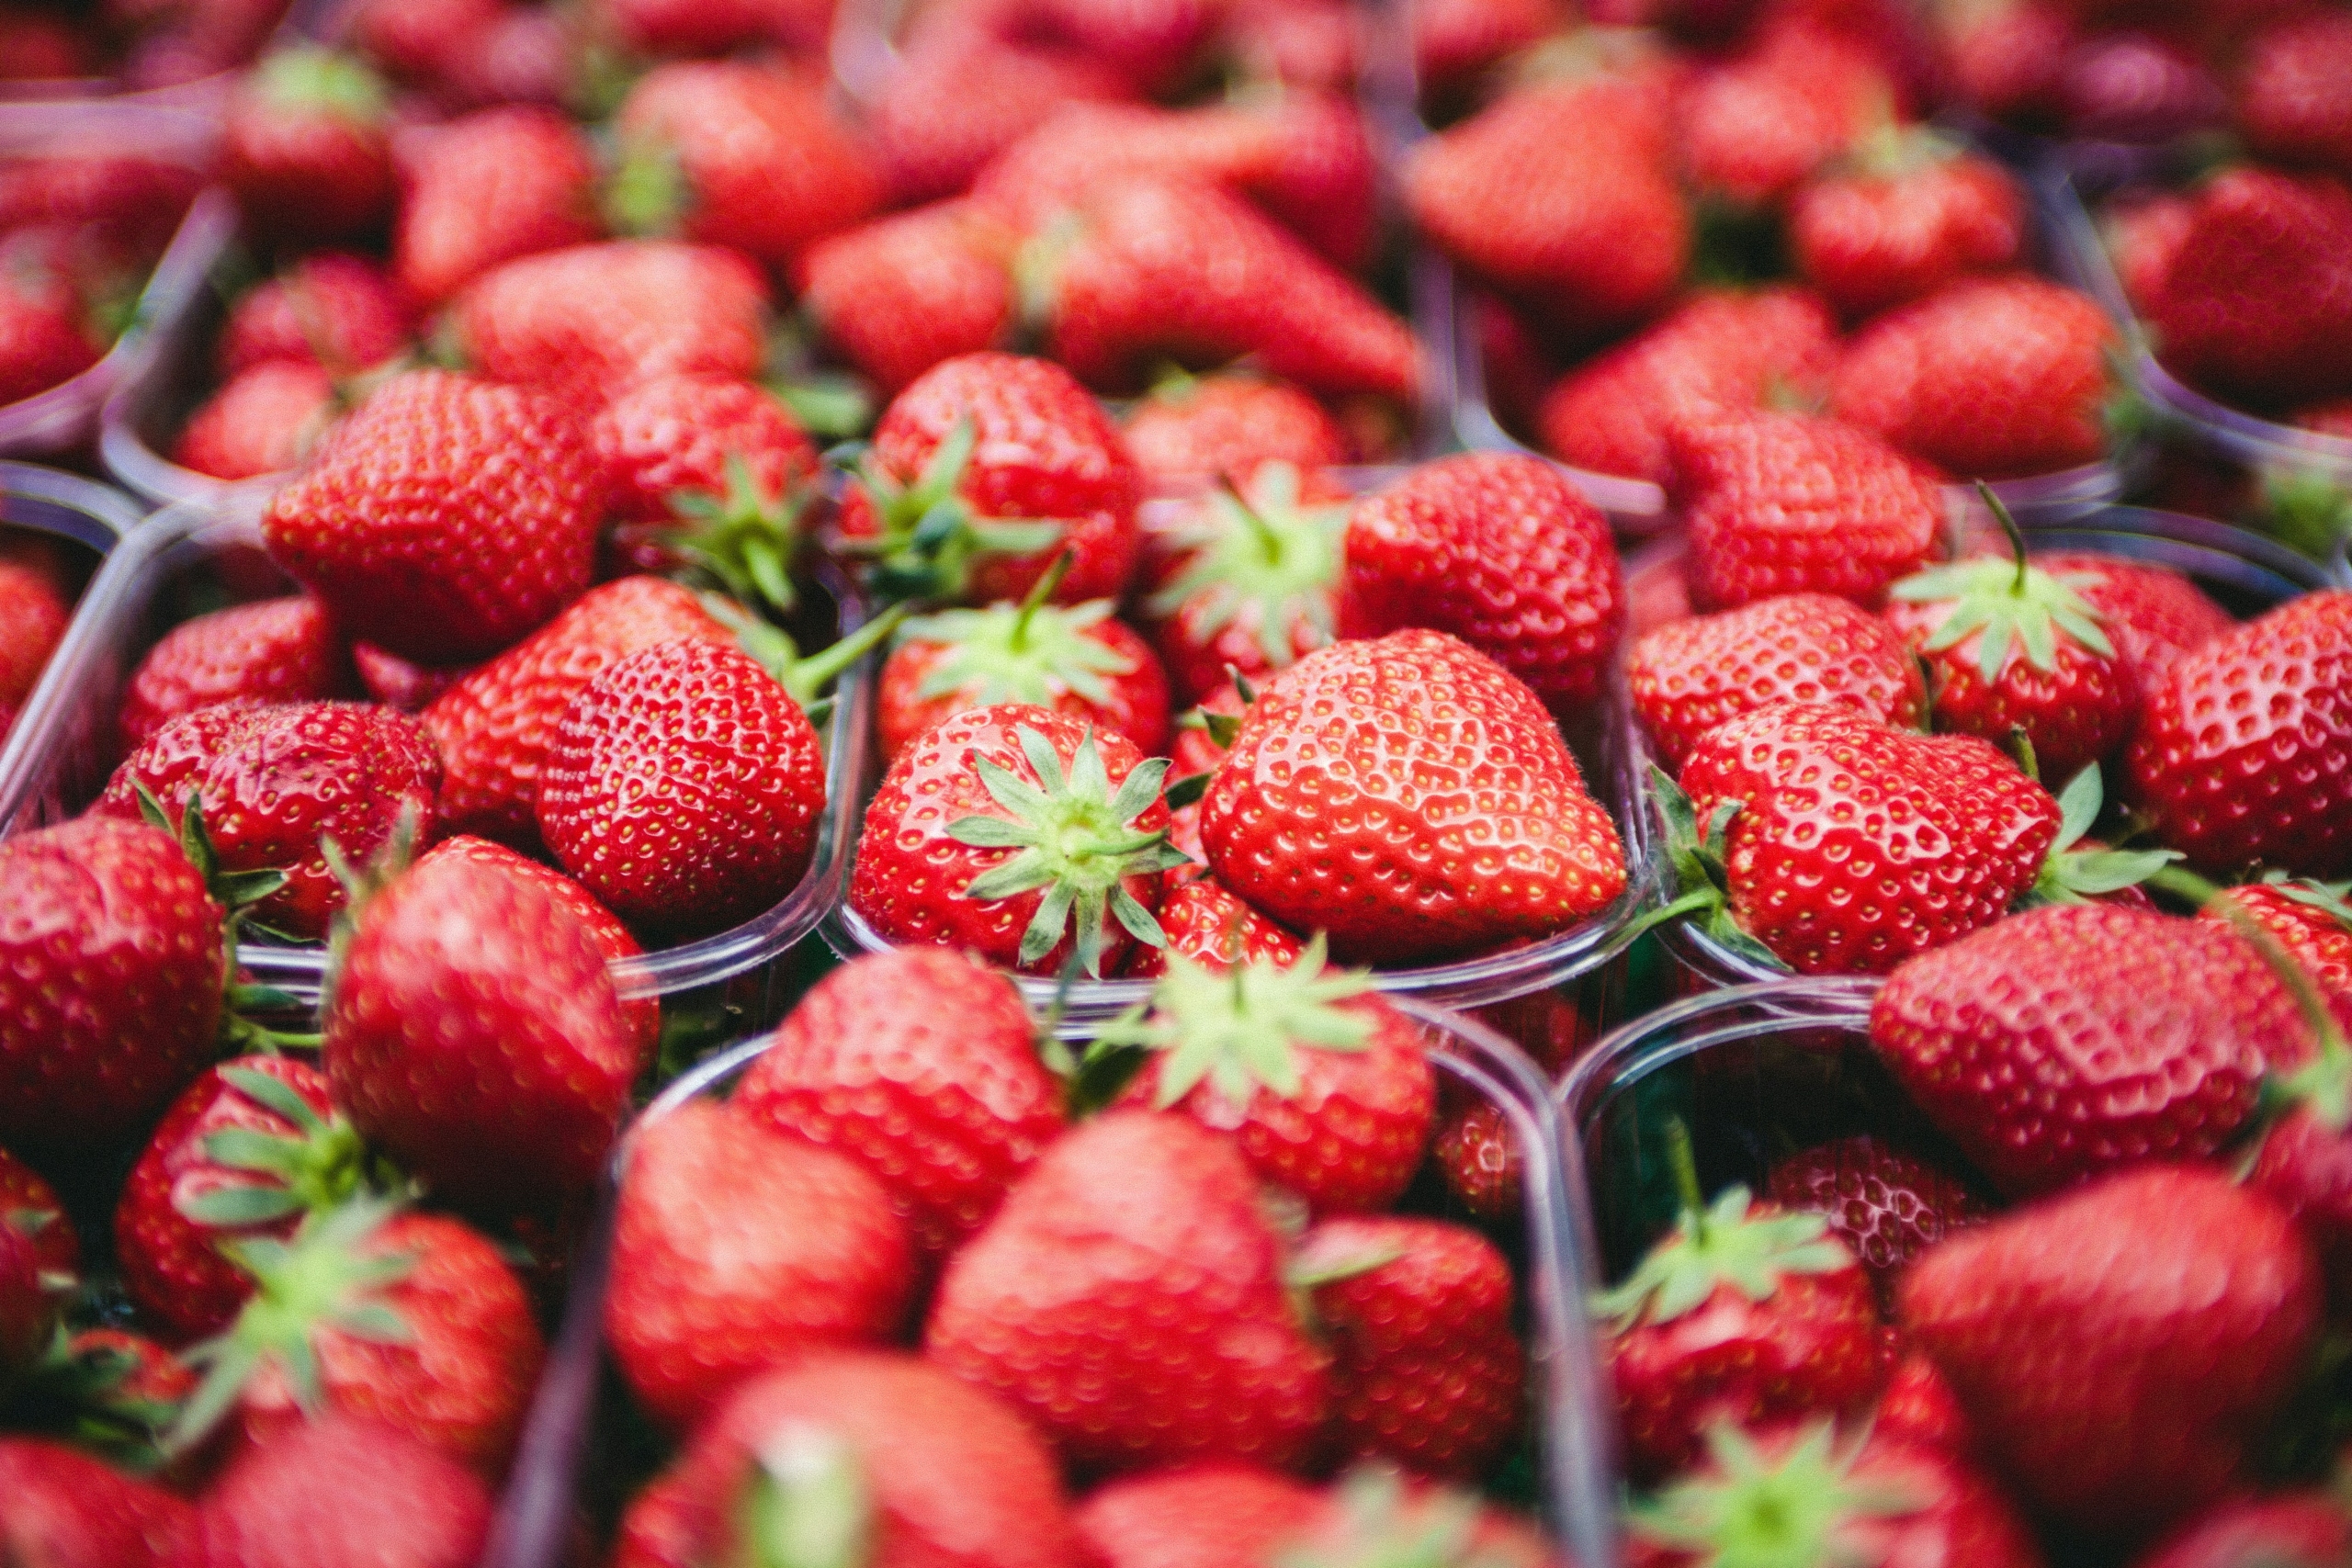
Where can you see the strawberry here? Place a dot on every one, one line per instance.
(1919, 1407)
(68, 1510)
(727, 152)
(2275, 783)
(1455, 40)
(1746, 1313)
(485, 189)
(111, 972)
(411, 1320)
(2293, 1529)
(33, 616)
(2152, 614)
(1321, 1083)
(921, 1065)
(1755, 126)
(653, 29)
(1501, 551)
(1024, 462)
(1003, 828)
(402, 684)
(1128, 1298)
(249, 1149)
(1207, 925)
(1783, 503)
(342, 1493)
(1083, 146)
(29, 1205)
(1231, 425)
(304, 147)
(2183, 1306)
(1718, 352)
(2007, 60)
(902, 293)
(1327, 815)
(1820, 838)
(1201, 1515)
(1477, 1155)
(275, 781)
(27, 1308)
(958, 97)
(2310, 920)
(1915, 214)
(1168, 269)
(265, 422)
(1426, 1365)
(711, 855)
(472, 1034)
(1375, 1514)
(43, 341)
(417, 40)
(330, 309)
(1150, 47)
(444, 519)
(1689, 676)
(111, 1393)
(2291, 99)
(273, 651)
(1804, 1497)
(736, 1248)
(1885, 1202)
(2132, 85)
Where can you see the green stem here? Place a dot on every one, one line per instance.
(2009, 526)
(2206, 895)
(1268, 540)
(1684, 1161)
(1039, 591)
(807, 676)
(1689, 903)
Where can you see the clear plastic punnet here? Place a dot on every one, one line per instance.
(582, 1443)
(144, 413)
(76, 522)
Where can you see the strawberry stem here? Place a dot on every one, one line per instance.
(2008, 527)
(1039, 591)
(1683, 1161)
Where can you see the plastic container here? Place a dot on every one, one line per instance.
(144, 415)
(562, 1464)
(193, 558)
(205, 94)
(81, 519)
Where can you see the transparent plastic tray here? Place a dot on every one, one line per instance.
(85, 516)
(189, 559)
(143, 415)
(557, 1468)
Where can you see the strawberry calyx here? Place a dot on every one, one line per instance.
(2072, 874)
(802, 675)
(322, 1166)
(2306, 508)
(1793, 1510)
(310, 78)
(806, 1504)
(648, 193)
(1029, 652)
(1262, 552)
(1243, 1028)
(1702, 870)
(82, 1391)
(2332, 899)
(2006, 605)
(1076, 840)
(1381, 1522)
(741, 540)
(1222, 728)
(929, 533)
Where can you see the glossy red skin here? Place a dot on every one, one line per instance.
(2305, 1167)
(342, 1493)
(736, 1248)
(1128, 1298)
(1869, 240)
(1138, 709)
(131, 198)
(475, 1037)
(2151, 615)
(445, 518)
(276, 779)
(275, 651)
(71, 1510)
(2007, 62)
(1918, 1408)
(31, 1205)
(1230, 424)
(1503, 552)
(265, 422)
(1784, 503)
(2183, 1306)
(1315, 816)
(1756, 125)
(958, 100)
(495, 726)
(2292, 1529)
(42, 342)
(2292, 103)
(2315, 938)
(483, 189)
(1206, 923)
(1885, 1203)
(1046, 450)
(910, 877)
(334, 310)
(1690, 675)
(1428, 1370)
(1200, 1516)
(907, 291)
(920, 1064)
(1718, 352)
(1326, 184)
(767, 170)
(1196, 750)
(1085, 145)
(110, 979)
(2253, 302)
(183, 1286)
(33, 622)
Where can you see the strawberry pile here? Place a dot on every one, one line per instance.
(41, 577)
(133, 44)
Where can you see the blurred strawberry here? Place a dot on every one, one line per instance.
(1913, 213)
(1757, 125)
(330, 309)
(1887, 1203)
(304, 147)
(486, 188)
(902, 293)
(2128, 86)
(1228, 425)
(1196, 1516)
(2309, 1528)
(353, 1494)
(2008, 60)
(655, 28)
(72, 1510)
(1249, 581)
(265, 422)
(33, 617)
(43, 339)
(2294, 92)
(958, 97)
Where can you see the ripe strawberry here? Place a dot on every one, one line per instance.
(2133, 85)
(330, 309)
(2275, 783)
(1690, 675)
(411, 1320)
(2183, 1306)
(1025, 463)
(736, 1248)
(1717, 352)
(249, 1148)
(1504, 553)
(727, 152)
(402, 684)
(276, 780)
(1128, 1298)
(304, 147)
(1477, 1153)
(474, 1035)
(29, 1205)
(69, 1510)
(273, 651)
(1919, 1407)
(342, 1493)
(1003, 828)
(1782, 503)
(1915, 214)
(1756, 125)
(1375, 1514)
(1746, 1312)
(1083, 146)
(1161, 269)
(2153, 615)
(265, 422)
(445, 518)
(958, 97)
(2293, 1529)
(1427, 1368)
(2291, 99)
(1885, 1202)
(1321, 1083)
(27, 1308)
(1201, 1515)
(2007, 62)
(2310, 920)
(110, 1393)
(655, 28)
(33, 616)
(1455, 40)
(1150, 47)
(1835, 844)
(1231, 425)
(1207, 925)
(488, 188)
(902, 293)
(43, 341)
(418, 39)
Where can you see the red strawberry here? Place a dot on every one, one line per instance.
(736, 1248)
(1027, 461)
(418, 39)
(2183, 1306)
(902, 293)
(1719, 352)
(2274, 784)
(27, 1308)
(2153, 615)
(1885, 1202)
(1326, 814)
(726, 153)
(1504, 553)
(331, 309)
(473, 1035)
(486, 188)
(1912, 217)
(1003, 828)
(2007, 61)
(68, 1510)
(1202, 1516)
(654, 29)
(2292, 1529)
(444, 519)
(1151, 48)
(304, 147)
(265, 422)
(958, 97)
(1427, 1366)
(1230, 425)
(1782, 503)
(1207, 924)
(277, 650)
(1689, 676)
(1835, 844)
(342, 1493)
(1083, 146)
(33, 614)
(1321, 1083)
(29, 1205)
(43, 341)
(1477, 1152)
(1373, 1513)
(1919, 1407)
(2310, 920)
(1455, 40)
(275, 781)
(1756, 125)
(1128, 1298)
(921, 1064)
(402, 684)
(2293, 100)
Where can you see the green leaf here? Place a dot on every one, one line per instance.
(991, 832)
(276, 1094)
(1187, 790)
(234, 1208)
